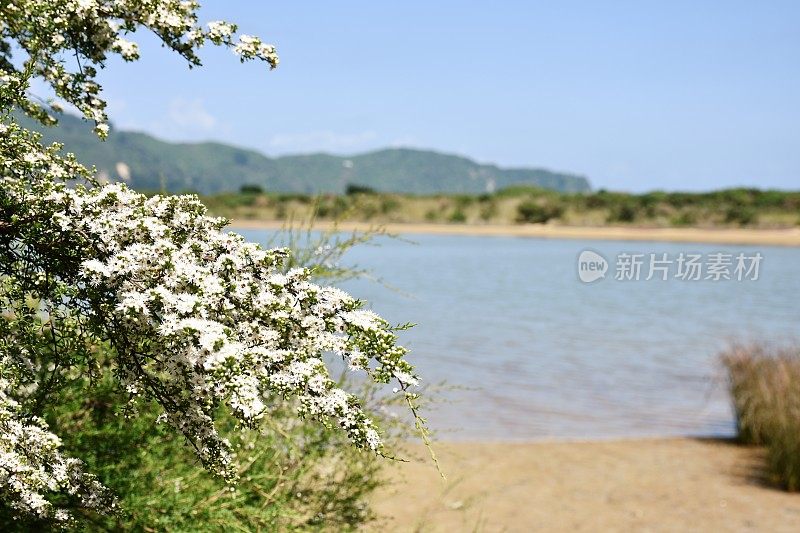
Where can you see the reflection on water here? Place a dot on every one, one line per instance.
(543, 355)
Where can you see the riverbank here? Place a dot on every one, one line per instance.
(735, 236)
(628, 485)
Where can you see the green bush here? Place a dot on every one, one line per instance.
(594, 201)
(653, 198)
(431, 215)
(251, 189)
(389, 204)
(625, 212)
(680, 200)
(290, 196)
(352, 188)
(741, 215)
(457, 216)
(332, 206)
(533, 212)
(230, 200)
(686, 218)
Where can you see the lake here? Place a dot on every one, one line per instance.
(530, 351)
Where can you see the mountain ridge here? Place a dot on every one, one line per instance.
(148, 163)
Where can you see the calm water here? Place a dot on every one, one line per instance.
(540, 354)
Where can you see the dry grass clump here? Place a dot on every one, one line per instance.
(765, 388)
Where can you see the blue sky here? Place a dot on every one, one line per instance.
(635, 95)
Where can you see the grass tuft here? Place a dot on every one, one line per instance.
(765, 388)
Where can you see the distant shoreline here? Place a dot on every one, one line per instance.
(738, 236)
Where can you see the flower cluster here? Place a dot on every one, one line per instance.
(209, 318)
(197, 318)
(32, 466)
(53, 34)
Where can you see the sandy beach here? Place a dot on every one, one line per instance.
(627, 485)
(764, 237)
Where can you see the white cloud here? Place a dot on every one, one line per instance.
(183, 120)
(326, 141)
(190, 115)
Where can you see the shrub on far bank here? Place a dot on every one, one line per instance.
(354, 188)
(251, 189)
(741, 215)
(686, 218)
(625, 212)
(457, 217)
(533, 212)
(764, 383)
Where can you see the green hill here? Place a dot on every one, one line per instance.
(151, 164)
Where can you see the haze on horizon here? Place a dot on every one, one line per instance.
(684, 96)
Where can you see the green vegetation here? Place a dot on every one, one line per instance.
(358, 189)
(251, 189)
(298, 476)
(147, 163)
(401, 185)
(765, 388)
(525, 205)
(533, 212)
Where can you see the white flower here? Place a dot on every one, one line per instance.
(127, 49)
(198, 317)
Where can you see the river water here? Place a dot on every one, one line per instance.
(529, 351)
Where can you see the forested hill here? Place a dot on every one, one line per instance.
(149, 164)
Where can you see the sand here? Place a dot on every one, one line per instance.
(764, 237)
(631, 485)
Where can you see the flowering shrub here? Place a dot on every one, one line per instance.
(32, 466)
(86, 32)
(196, 318)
